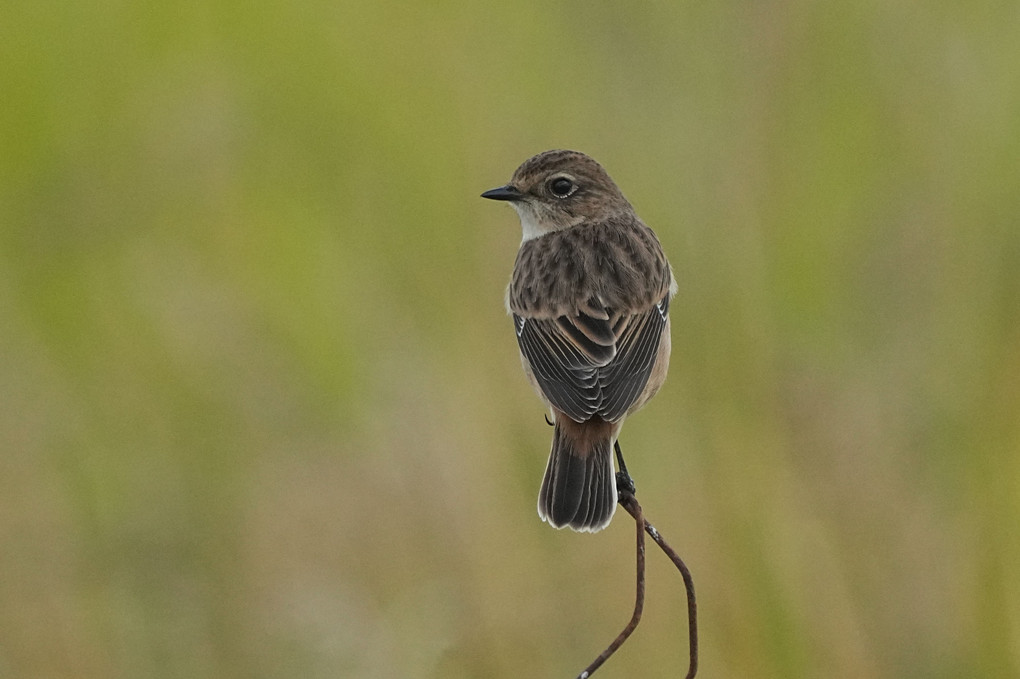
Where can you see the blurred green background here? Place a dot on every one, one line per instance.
(262, 414)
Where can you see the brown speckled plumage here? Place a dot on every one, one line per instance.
(619, 261)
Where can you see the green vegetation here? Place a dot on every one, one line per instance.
(261, 412)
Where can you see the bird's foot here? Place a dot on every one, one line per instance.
(624, 482)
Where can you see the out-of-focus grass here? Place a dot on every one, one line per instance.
(262, 415)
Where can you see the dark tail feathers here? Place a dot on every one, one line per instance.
(579, 488)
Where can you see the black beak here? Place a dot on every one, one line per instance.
(507, 192)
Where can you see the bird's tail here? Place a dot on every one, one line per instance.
(579, 488)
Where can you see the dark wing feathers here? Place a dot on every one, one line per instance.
(593, 363)
(592, 336)
(624, 379)
(567, 376)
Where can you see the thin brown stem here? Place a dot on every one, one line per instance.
(639, 600)
(692, 604)
(685, 573)
(633, 508)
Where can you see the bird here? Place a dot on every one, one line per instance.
(589, 297)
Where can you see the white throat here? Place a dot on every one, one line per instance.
(529, 224)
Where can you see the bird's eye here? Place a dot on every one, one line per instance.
(561, 187)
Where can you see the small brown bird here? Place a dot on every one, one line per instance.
(590, 299)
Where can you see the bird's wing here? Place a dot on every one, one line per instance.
(593, 362)
(565, 355)
(637, 347)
